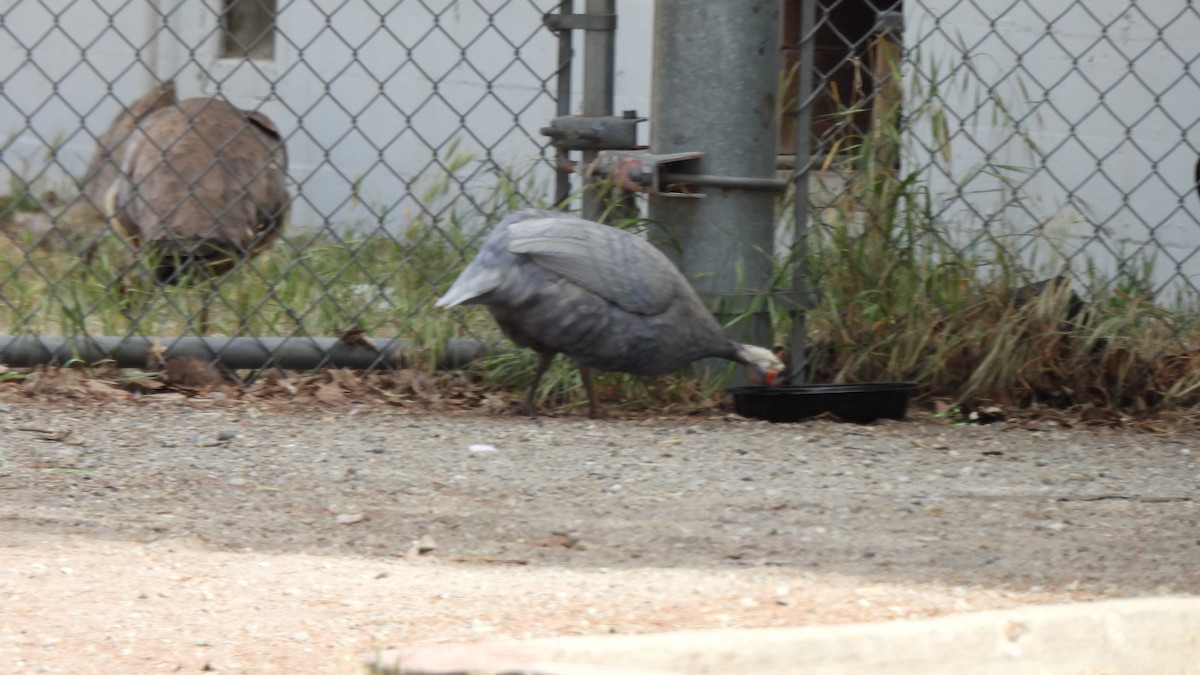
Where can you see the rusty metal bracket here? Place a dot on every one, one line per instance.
(671, 175)
(576, 132)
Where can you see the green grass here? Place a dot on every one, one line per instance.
(313, 284)
(904, 296)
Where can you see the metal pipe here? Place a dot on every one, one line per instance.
(239, 353)
(562, 92)
(716, 67)
(798, 367)
(727, 182)
(599, 64)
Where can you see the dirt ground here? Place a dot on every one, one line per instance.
(166, 534)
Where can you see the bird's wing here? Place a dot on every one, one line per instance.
(616, 265)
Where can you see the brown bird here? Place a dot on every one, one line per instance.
(196, 186)
(110, 145)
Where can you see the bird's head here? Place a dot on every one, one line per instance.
(764, 366)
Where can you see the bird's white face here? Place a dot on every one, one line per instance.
(765, 367)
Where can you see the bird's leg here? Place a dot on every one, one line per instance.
(543, 364)
(585, 374)
(124, 290)
(127, 290)
(202, 328)
(210, 293)
(202, 315)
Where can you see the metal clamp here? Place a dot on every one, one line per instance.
(647, 172)
(576, 132)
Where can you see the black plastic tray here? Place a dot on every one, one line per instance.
(853, 402)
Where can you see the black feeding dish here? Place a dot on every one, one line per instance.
(860, 402)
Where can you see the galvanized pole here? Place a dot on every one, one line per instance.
(562, 94)
(798, 366)
(716, 69)
(599, 64)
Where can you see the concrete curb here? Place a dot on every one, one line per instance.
(1157, 635)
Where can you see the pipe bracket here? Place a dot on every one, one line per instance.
(577, 132)
(672, 175)
(644, 171)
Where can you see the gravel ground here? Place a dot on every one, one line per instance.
(173, 534)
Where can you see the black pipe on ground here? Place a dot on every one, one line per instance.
(237, 353)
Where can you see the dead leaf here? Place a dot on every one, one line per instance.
(1117, 363)
(156, 355)
(1099, 415)
(47, 434)
(357, 337)
(330, 392)
(143, 385)
(100, 388)
(402, 380)
(348, 379)
(485, 559)
(191, 373)
(277, 377)
(273, 375)
(557, 539)
(986, 414)
(494, 404)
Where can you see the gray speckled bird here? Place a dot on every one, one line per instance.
(605, 298)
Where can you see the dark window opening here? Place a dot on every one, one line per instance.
(248, 29)
(856, 71)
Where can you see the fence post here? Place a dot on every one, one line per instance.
(798, 366)
(562, 96)
(599, 64)
(716, 69)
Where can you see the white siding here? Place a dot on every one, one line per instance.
(1101, 123)
(369, 96)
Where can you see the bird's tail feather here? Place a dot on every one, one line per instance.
(457, 295)
(474, 281)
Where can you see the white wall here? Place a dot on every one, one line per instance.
(362, 113)
(56, 78)
(1101, 129)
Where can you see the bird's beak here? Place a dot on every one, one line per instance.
(767, 378)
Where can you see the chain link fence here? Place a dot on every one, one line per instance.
(999, 153)
(1057, 139)
(1066, 129)
(384, 134)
